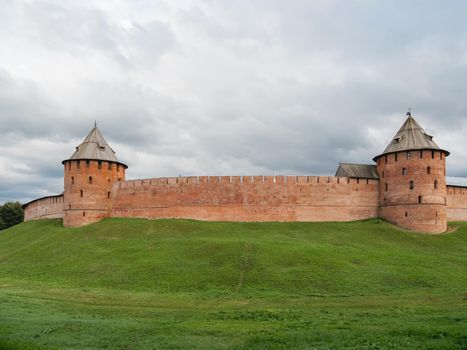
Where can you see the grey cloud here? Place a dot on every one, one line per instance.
(62, 26)
(225, 87)
(81, 30)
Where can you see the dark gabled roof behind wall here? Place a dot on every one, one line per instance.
(362, 171)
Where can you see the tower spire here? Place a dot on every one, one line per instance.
(411, 136)
(94, 147)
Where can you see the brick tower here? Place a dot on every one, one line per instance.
(89, 175)
(412, 172)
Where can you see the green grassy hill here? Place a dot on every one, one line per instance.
(176, 284)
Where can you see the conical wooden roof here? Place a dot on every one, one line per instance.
(411, 136)
(95, 147)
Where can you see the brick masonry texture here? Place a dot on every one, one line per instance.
(411, 193)
(88, 190)
(412, 190)
(45, 208)
(253, 198)
(456, 203)
(248, 198)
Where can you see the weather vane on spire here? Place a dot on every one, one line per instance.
(409, 113)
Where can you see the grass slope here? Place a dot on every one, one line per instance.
(176, 284)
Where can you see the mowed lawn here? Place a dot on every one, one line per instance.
(182, 284)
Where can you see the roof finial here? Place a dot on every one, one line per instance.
(95, 123)
(409, 114)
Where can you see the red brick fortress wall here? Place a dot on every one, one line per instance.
(248, 198)
(44, 208)
(87, 195)
(422, 205)
(456, 203)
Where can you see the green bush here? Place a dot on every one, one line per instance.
(11, 214)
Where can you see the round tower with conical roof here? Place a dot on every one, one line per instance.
(412, 171)
(90, 174)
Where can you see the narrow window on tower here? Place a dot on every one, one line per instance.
(382, 174)
(87, 163)
(108, 194)
(72, 180)
(99, 164)
(84, 213)
(77, 164)
(419, 199)
(386, 186)
(428, 170)
(406, 214)
(81, 193)
(411, 185)
(404, 171)
(436, 184)
(441, 155)
(386, 159)
(395, 157)
(432, 154)
(408, 155)
(421, 154)
(109, 166)
(90, 180)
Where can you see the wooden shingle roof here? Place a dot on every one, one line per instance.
(411, 136)
(95, 147)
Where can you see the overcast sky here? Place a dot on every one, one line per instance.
(225, 87)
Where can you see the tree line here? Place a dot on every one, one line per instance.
(11, 214)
